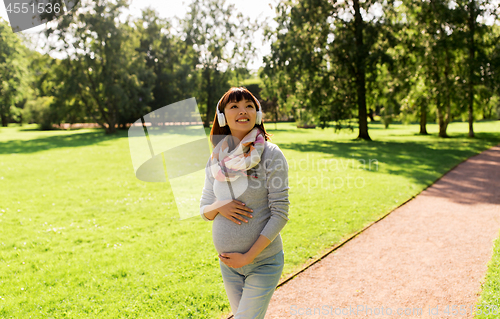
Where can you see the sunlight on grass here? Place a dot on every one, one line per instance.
(488, 305)
(81, 237)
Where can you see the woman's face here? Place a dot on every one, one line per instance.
(236, 113)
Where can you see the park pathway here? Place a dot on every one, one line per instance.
(430, 252)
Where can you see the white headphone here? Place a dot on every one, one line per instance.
(222, 118)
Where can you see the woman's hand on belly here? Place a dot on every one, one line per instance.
(235, 260)
(232, 209)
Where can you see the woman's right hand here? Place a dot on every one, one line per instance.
(232, 209)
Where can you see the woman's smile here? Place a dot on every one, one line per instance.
(240, 117)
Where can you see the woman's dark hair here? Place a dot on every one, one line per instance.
(234, 94)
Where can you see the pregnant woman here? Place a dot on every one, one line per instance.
(246, 197)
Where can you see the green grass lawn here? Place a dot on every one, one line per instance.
(81, 237)
(488, 304)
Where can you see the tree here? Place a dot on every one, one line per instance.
(326, 49)
(113, 80)
(438, 15)
(13, 71)
(172, 60)
(223, 40)
(438, 54)
(473, 35)
(64, 80)
(493, 68)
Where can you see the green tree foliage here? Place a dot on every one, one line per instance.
(48, 78)
(39, 111)
(492, 70)
(477, 43)
(275, 92)
(435, 39)
(425, 60)
(13, 73)
(445, 27)
(64, 81)
(106, 72)
(410, 67)
(325, 56)
(223, 39)
(172, 60)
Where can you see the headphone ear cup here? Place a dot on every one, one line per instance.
(220, 115)
(258, 119)
(222, 119)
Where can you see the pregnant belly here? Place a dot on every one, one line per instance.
(229, 237)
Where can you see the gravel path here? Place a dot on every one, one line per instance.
(431, 252)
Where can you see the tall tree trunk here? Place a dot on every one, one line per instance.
(360, 73)
(5, 120)
(486, 110)
(440, 116)
(207, 75)
(472, 22)
(112, 123)
(439, 108)
(423, 119)
(447, 71)
(444, 119)
(441, 122)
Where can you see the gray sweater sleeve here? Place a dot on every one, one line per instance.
(277, 184)
(207, 196)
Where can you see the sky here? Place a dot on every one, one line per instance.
(255, 9)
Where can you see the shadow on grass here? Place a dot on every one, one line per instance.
(423, 162)
(57, 141)
(73, 138)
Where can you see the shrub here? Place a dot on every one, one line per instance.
(39, 111)
(304, 118)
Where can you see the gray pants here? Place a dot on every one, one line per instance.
(250, 288)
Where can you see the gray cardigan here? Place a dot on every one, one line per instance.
(267, 195)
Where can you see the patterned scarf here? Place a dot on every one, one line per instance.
(244, 157)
